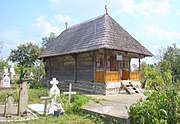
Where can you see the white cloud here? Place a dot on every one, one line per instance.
(128, 6)
(62, 18)
(150, 8)
(146, 8)
(44, 27)
(162, 34)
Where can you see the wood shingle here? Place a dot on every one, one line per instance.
(98, 33)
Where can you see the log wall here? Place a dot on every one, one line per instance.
(85, 67)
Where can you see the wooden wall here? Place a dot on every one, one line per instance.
(63, 67)
(85, 67)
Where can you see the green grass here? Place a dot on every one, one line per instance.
(74, 115)
(70, 117)
(63, 119)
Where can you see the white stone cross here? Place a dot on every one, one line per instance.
(6, 79)
(54, 91)
(69, 93)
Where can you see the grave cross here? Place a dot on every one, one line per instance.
(69, 93)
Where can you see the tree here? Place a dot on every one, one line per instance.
(162, 104)
(47, 40)
(25, 56)
(38, 71)
(172, 55)
(3, 64)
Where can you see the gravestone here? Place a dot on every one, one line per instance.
(23, 99)
(6, 79)
(54, 91)
(12, 72)
(8, 110)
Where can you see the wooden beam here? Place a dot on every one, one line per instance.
(75, 67)
(94, 66)
(105, 61)
(119, 68)
(50, 70)
(139, 64)
(129, 68)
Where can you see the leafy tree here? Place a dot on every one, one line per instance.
(38, 71)
(47, 40)
(162, 104)
(172, 55)
(150, 76)
(3, 64)
(25, 56)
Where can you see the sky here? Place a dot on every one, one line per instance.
(154, 23)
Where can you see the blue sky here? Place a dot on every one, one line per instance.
(154, 23)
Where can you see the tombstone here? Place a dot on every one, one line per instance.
(23, 99)
(6, 81)
(8, 109)
(12, 72)
(54, 91)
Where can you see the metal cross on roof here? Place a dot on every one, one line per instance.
(66, 24)
(106, 8)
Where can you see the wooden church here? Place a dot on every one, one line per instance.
(95, 56)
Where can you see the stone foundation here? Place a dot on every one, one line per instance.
(109, 88)
(92, 88)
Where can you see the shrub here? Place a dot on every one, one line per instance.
(34, 95)
(159, 107)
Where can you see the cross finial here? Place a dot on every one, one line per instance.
(106, 8)
(66, 24)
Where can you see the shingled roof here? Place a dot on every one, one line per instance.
(94, 34)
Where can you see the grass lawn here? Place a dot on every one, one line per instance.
(74, 115)
(68, 118)
(63, 119)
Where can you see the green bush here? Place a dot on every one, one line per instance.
(160, 107)
(78, 101)
(35, 94)
(4, 95)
